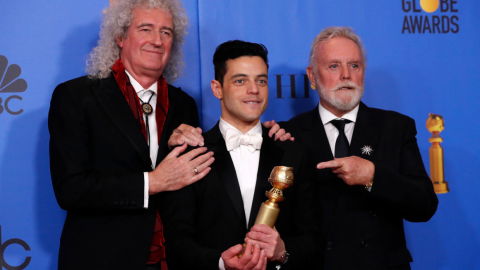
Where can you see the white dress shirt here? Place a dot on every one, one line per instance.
(144, 95)
(331, 131)
(246, 168)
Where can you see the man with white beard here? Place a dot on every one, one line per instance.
(370, 171)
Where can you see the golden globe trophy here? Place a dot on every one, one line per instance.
(435, 125)
(281, 178)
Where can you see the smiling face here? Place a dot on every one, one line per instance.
(146, 49)
(338, 74)
(244, 94)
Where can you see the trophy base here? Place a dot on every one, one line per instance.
(441, 187)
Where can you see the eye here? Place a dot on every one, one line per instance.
(333, 66)
(354, 65)
(239, 81)
(167, 33)
(262, 81)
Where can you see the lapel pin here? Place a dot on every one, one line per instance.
(367, 150)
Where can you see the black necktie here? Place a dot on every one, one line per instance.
(341, 145)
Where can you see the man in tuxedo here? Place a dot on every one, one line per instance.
(208, 220)
(370, 171)
(108, 145)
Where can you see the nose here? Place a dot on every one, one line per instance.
(345, 73)
(253, 89)
(157, 39)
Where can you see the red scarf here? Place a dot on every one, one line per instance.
(157, 250)
(131, 96)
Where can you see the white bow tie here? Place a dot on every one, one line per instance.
(234, 139)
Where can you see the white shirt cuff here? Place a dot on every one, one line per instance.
(221, 265)
(145, 190)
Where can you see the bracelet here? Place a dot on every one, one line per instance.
(284, 258)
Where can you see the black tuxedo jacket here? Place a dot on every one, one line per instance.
(361, 229)
(207, 218)
(98, 156)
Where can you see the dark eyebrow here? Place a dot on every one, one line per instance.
(262, 75)
(238, 75)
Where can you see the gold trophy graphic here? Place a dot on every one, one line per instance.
(281, 178)
(435, 125)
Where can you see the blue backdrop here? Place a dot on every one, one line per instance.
(418, 63)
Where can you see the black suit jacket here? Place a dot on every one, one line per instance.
(361, 229)
(208, 217)
(98, 156)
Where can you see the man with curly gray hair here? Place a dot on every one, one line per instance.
(109, 130)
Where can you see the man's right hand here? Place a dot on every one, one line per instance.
(175, 172)
(253, 258)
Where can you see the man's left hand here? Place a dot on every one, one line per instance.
(353, 170)
(268, 239)
(280, 133)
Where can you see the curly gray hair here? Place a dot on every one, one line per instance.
(337, 31)
(116, 21)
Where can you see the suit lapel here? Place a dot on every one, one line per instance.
(172, 117)
(225, 169)
(270, 156)
(323, 153)
(319, 139)
(112, 100)
(364, 134)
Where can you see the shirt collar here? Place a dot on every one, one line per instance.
(138, 87)
(326, 116)
(224, 126)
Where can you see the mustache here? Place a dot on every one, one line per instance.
(347, 84)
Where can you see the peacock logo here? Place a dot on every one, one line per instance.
(10, 83)
(9, 77)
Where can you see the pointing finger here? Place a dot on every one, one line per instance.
(329, 164)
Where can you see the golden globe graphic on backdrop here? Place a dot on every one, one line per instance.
(435, 125)
(429, 5)
(430, 16)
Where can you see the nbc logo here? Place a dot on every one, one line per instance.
(430, 16)
(9, 83)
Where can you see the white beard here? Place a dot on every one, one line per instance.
(345, 100)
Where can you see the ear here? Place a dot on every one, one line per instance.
(120, 41)
(311, 75)
(217, 89)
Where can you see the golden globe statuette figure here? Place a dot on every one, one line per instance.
(435, 125)
(281, 178)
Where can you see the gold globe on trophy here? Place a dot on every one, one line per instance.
(435, 125)
(281, 178)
